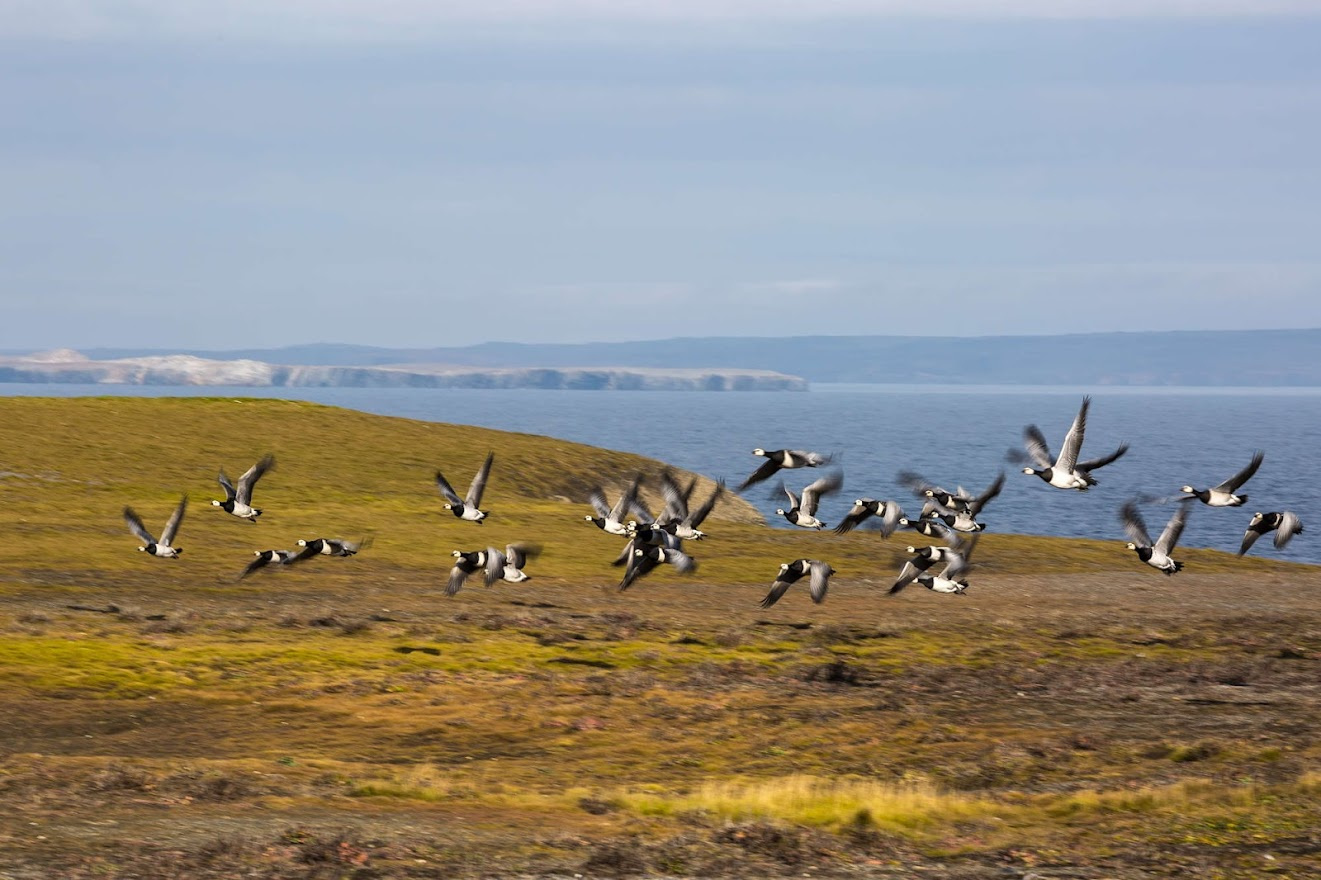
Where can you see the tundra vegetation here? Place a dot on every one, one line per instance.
(1072, 715)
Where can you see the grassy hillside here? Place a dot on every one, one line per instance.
(1074, 712)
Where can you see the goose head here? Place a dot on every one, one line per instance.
(759, 451)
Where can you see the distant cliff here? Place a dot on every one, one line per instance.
(65, 366)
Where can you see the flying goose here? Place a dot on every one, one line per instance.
(1065, 472)
(268, 557)
(1156, 555)
(329, 547)
(864, 509)
(932, 528)
(161, 548)
(239, 501)
(645, 559)
(466, 507)
(678, 520)
(955, 557)
(924, 489)
(791, 572)
(1284, 524)
(782, 458)
(1224, 494)
(611, 519)
(464, 565)
(965, 519)
(803, 514)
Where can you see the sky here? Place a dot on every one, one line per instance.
(177, 174)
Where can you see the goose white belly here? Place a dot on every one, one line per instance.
(1061, 479)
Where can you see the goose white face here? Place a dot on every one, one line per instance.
(1131, 546)
(1188, 489)
(215, 503)
(780, 511)
(1028, 471)
(455, 553)
(759, 451)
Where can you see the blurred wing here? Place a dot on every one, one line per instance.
(1249, 538)
(172, 527)
(1244, 475)
(457, 576)
(907, 575)
(819, 581)
(251, 476)
(777, 590)
(1173, 529)
(446, 489)
(135, 526)
(858, 513)
(768, 467)
(225, 484)
(310, 549)
(598, 502)
(1104, 460)
(1134, 526)
(261, 561)
(495, 565)
(676, 502)
(474, 498)
(1289, 526)
(916, 483)
(793, 499)
(975, 506)
(696, 517)
(1035, 443)
(890, 516)
(519, 554)
(1073, 440)
(812, 493)
(626, 500)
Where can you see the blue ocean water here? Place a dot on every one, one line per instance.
(953, 435)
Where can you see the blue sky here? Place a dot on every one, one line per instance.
(417, 174)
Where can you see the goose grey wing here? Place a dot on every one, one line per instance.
(639, 564)
(1249, 538)
(778, 589)
(261, 561)
(225, 484)
(793, 499)
(1093, 464)
(1289, 526)
(134, 523)
(975, 505)
(890, 516)
(626, 500)
(1073, 440)
(474, 497)
(907, 575)
(1037, 449)
(698, 516)
(767, 469)
(916, 483)
(495, 565)
(676, 502)
(860, 512)
(819, 580)
(458, 574)
(446, 489)
(813, 491)
(597, 499)
(960, 561)
(1134, 526)
(519, 554)
(1244, 475)
(250, 478)
(172, 526)
(1173, 529)
(307, 551)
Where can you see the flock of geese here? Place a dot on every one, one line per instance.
(653, 541)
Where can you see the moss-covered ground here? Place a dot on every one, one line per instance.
(1074, 714)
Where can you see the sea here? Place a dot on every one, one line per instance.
(952, 435)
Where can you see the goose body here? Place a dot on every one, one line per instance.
(646, 559)
(818, 574)
(466, 508)
(678, 519)
(1225, 494)
(864, 509)
(1066, 472)
(464, 565)
(955, 559)
(238, 498)
(328, 547)
(964, 518)
(268, 557)
(779, 459)
(164, 548)
(509, 564)
(1285, 524)
(1154, 553)
(803, 513)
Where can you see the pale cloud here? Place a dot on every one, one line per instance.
(415, 20)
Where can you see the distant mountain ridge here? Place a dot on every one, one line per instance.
(1231, 357)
